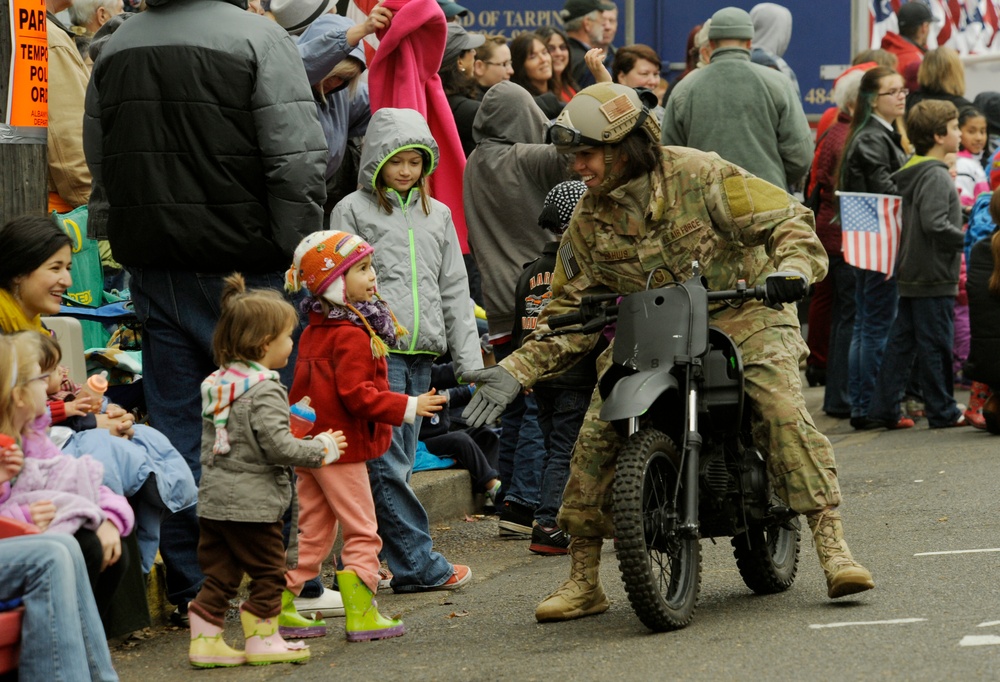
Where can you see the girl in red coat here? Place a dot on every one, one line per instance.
(341, 366)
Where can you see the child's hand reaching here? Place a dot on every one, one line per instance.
(42, 513)
(335, 442)
(429, 403)
(11, 460)
(78, 407)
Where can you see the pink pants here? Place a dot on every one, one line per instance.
(337, 492)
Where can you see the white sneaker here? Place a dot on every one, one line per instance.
(328, 605)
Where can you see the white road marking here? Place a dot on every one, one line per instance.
(897, 621)
(979, 640)
(959, 551)
(989, 623)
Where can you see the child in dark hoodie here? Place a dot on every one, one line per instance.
(927, 270)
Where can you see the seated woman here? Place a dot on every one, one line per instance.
(33, 277)
(532, 65)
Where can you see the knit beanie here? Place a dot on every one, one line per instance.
(559, 205)
(320, 262)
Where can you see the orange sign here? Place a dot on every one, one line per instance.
(28, 98)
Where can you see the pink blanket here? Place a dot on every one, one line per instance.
(403, 74)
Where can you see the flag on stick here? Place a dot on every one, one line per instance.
(871, 227)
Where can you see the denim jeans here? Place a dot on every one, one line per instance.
(61, 628)
(179, 311)
(402, 521)
(875, 308)
(922, 336)
(522, 446)
(560, 415)
(842, 277)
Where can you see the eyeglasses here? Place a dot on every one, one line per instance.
(895, 93)
(505, 64)
(40, 377)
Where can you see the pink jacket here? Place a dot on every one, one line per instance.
(73, 485)
(404, 75)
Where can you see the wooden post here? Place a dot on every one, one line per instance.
(23, 166)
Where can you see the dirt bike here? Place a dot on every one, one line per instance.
(689, 468)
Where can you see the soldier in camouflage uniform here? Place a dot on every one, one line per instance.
(647, 214)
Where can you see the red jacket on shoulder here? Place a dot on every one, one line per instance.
(348, 387)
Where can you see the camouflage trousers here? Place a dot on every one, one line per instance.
(800, 458)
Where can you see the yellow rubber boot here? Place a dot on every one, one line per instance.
(208, 649)
(364, 622)
(291, 624)
(264, 644)
(844, 575)
(581, 595)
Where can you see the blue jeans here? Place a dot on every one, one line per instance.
(836, 396)
(875, 308)
(560, 415)
(402, 522)
(179, 311)
(922, 334)
(61, 627)
(522, 446)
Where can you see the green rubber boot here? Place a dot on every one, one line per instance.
(291, 624)
(364, 622)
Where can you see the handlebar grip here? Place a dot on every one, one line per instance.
(565, 320)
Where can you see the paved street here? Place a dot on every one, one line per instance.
(920, 513)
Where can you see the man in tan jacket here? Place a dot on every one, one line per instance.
(69, 177)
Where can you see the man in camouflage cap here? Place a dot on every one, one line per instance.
(648, 213)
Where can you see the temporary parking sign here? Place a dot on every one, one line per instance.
(27, 96)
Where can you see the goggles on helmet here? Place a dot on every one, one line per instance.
(562, 135)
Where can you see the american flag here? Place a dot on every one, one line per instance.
(871, 227)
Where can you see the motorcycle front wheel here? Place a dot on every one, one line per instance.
(660, 565)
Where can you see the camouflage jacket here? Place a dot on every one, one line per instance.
(695, 206)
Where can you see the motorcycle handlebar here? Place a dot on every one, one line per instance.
(595, 312)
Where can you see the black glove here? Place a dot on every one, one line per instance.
(495, 389)
(785, 287)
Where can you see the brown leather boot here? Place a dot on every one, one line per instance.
(844, 575)
(581, 595)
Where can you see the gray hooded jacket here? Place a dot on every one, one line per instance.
(421, 274)
(772, 31)
(506, 180)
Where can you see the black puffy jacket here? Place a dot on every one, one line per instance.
(202, 127)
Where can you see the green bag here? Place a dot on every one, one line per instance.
(88, 274)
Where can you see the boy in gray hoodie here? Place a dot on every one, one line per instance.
(927, 268)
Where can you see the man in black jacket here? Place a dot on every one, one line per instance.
(201, 126)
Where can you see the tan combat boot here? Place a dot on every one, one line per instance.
(844, 575)
(581, 595)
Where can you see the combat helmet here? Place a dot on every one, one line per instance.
(598, 115)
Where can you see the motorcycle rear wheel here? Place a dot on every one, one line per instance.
(660, 566)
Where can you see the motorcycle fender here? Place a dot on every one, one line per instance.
(635, 394)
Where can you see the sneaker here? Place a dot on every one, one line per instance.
(384, 578)
(960, 421)
(515, 520)
(491, 494)
(312, 589)
(914, 408)
(548, 541)
(460, 575)
(179, 617)
(327, 605)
